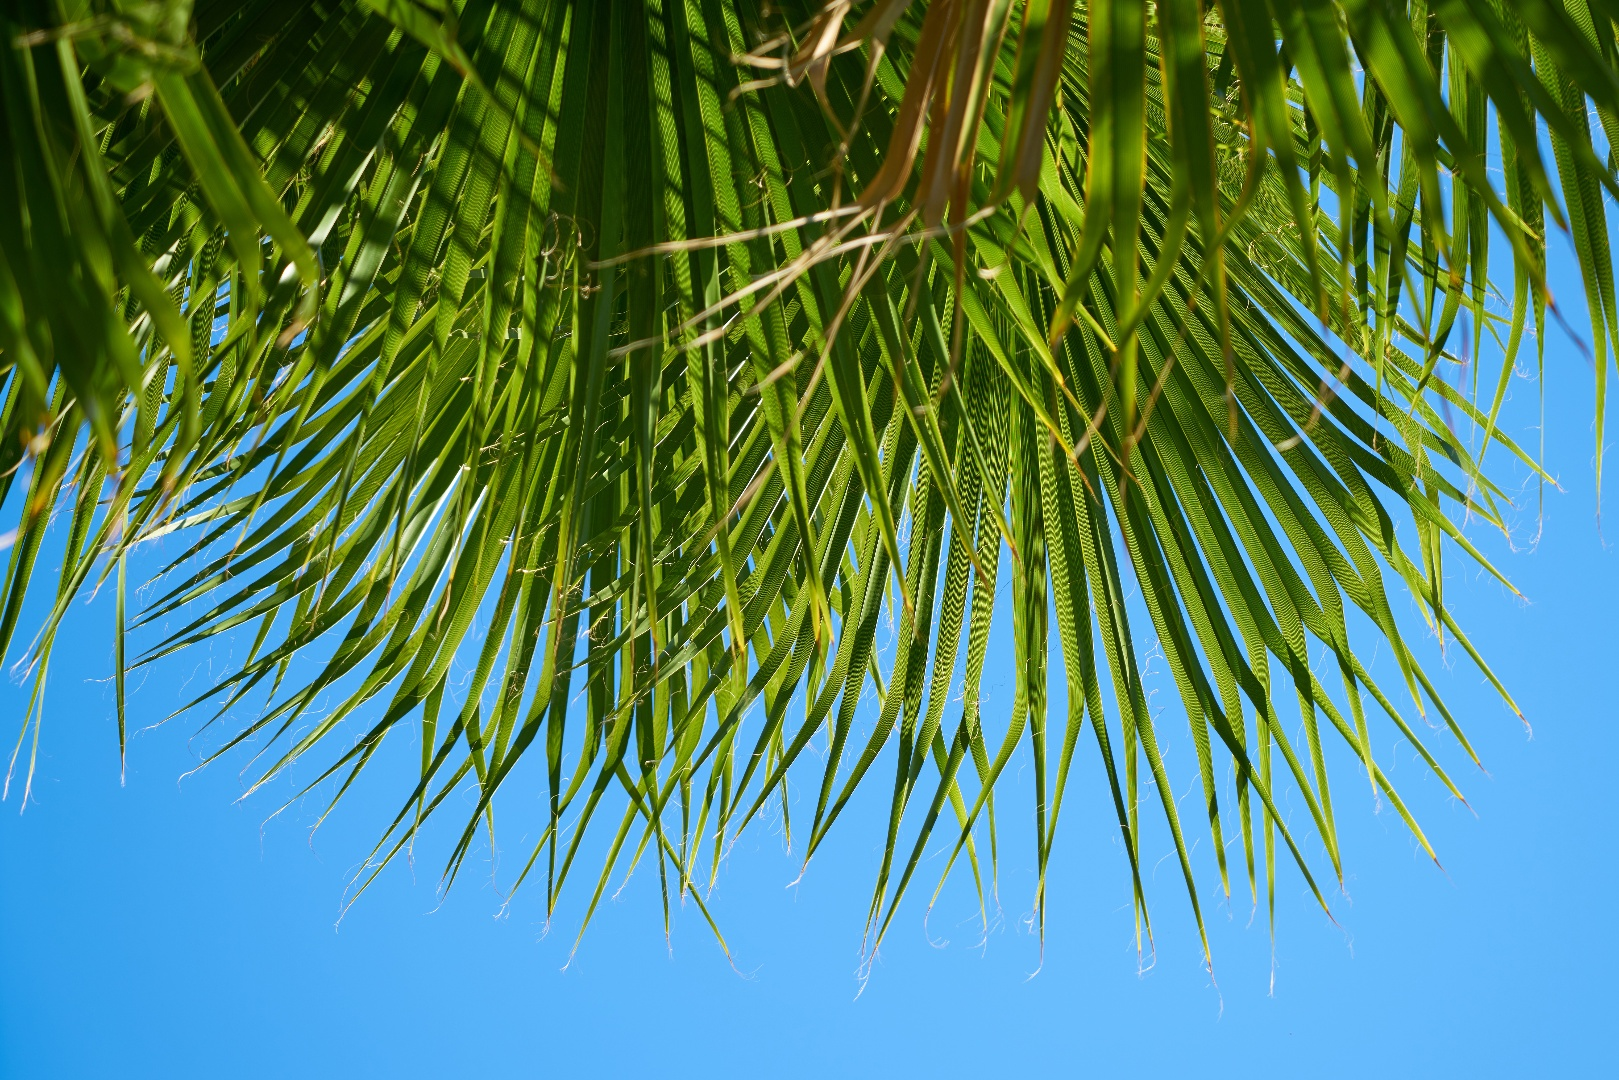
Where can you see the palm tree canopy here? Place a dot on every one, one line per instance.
(648, 356)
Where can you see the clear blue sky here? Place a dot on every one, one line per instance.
(159, 929)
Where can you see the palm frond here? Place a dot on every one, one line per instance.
(650, 351)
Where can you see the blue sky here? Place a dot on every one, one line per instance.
(162, 929)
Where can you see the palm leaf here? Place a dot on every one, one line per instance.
(584, 341)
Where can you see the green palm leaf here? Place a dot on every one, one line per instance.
(645, 354)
